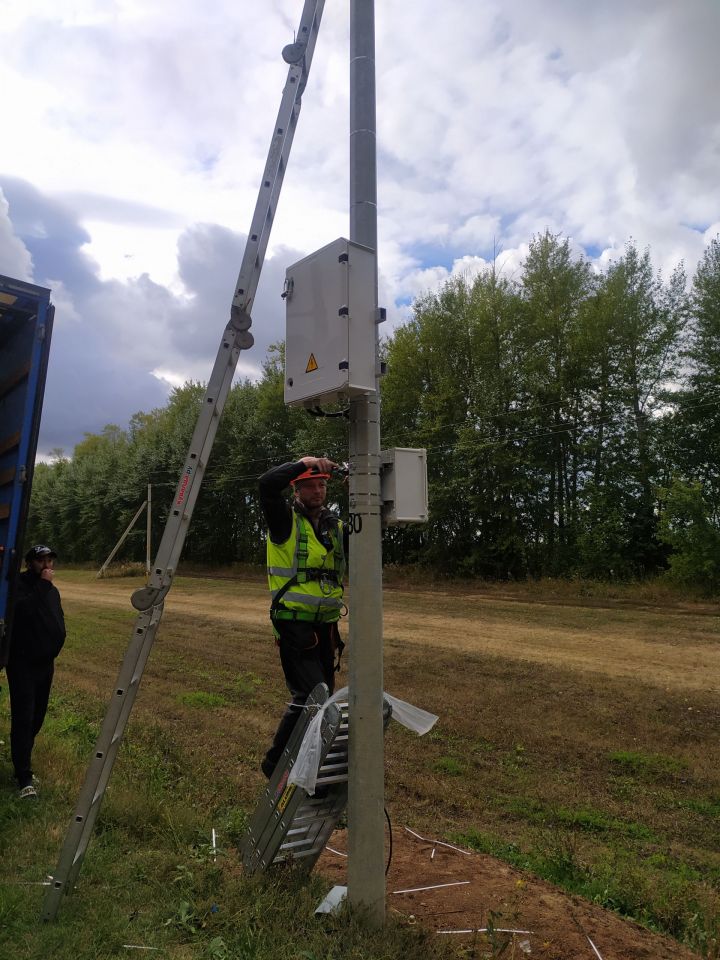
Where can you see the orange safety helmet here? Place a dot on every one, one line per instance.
(311, 474)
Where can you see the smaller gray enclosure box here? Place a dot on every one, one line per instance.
(330, 324)
(403, 485)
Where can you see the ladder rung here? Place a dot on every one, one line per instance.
(296, 844)
(298, 854)
(326, 775)
(312, 805)
(315, 817)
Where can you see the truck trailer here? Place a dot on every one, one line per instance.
(26, 320)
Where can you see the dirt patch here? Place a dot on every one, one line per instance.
(481, 903)
(610, 680)
(616, 643)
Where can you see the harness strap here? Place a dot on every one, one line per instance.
(305, 574)
(305, 615)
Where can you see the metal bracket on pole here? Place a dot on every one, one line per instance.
(149, 600)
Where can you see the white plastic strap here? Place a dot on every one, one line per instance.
(305, 770)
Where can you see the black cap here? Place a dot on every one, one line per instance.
(38, 551)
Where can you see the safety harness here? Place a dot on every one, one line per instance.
(326, 608)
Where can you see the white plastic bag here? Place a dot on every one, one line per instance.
(411, 717)
(305, 770)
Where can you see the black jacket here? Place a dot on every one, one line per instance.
(38, 630)
(276, 509)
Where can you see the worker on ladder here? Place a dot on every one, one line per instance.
(306, 563)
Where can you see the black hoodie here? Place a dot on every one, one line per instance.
(38, 631)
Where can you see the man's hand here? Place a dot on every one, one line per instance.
(47, 574)
(321, 464)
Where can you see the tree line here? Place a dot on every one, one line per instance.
(571, 418)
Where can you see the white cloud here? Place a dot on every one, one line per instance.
(170, 378)
(495, 121)
(15, 260)
(712, 232)
(478, 232)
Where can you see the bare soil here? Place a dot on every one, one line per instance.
(636, 644)
(465, 892)
(675, 650)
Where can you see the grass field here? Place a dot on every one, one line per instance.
(578, 739)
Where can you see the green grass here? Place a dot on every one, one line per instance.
(649, 766)
(246, 685)
(450, 766)
(609, 788)
(151, 876)
(672, 899)
(201, 698)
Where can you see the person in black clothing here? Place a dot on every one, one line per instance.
(37, 636)
(305, 608)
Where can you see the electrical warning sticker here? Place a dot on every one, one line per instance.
(312, 364)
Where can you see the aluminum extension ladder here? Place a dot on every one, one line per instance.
(290, 825)
(236, 337)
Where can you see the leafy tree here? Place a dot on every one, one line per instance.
(696, 428)
(427, 401)
(694, 535)
(556, 287)
(553, 408)
(643, 320)
(494, 433)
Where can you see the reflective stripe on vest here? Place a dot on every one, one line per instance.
(302, 556)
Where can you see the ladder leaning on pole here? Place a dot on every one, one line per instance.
(288, 822)
(236, 337)
(290, 825)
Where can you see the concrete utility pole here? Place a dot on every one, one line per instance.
(366, 868)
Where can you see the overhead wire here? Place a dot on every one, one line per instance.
(486, 442)
(489, 440)
(482, 442)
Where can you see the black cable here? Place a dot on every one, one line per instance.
(319, 412)
(387, 817)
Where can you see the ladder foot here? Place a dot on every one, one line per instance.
(239, 319)
(293, 53)
(148, 597)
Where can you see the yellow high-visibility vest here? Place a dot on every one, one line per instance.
(305, 577)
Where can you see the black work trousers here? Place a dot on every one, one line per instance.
(307, 655)
(29, 685)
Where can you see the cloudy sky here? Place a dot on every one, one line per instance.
(134, 134)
